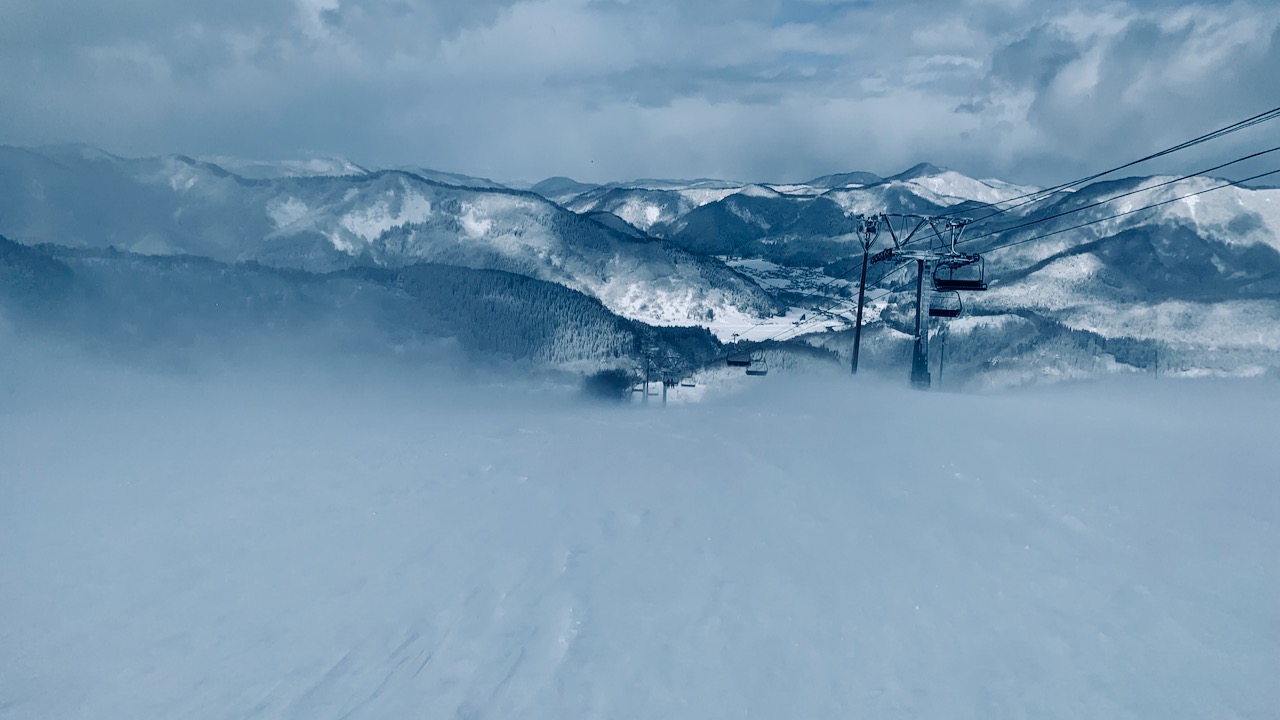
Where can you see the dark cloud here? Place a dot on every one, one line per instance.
(604, 89)
(1035, 59)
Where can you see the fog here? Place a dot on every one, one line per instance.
(297, 537)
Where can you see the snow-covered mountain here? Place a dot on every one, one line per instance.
(270, 170)
(1190, 287)
(716, 216)
(175, 205)
(1198, 277)
(561, 189)
(455, 179)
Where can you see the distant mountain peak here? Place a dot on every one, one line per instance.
(840, 180)
(668, 184)
(453, 179)
(920, 170)
(317, 166)
(560, 188)
(761, 191)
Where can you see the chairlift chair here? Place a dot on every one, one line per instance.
(739, 359)
(967, 281)
(758, 367)
(946, 305)
(688, 382)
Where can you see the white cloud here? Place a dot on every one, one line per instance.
(314, 16)
(603, 89)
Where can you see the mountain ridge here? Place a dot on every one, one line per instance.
(172, 205)
(1195, 280)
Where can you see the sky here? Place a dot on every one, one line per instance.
(598, 90)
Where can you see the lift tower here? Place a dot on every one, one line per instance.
(868, 232)
(920, 354)
(932, 260)
(950, 271)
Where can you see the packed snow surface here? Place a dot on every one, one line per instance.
(379, 545)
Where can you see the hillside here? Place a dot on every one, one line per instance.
(174, 205)
(186, 309)
(1191, 287)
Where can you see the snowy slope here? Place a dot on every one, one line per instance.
(305, 544)
(647, 208)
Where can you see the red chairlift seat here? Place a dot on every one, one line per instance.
(968, 281)
(946, 306)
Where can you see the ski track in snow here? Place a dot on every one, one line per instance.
(307, 549)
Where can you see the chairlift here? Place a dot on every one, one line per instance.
(946, 305)
(968, 280)
(739, 359)
(688, 382)
(758, 366)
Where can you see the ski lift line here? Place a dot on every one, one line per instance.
(1122, 195)
(1057, 232)
(715, 357)
(819, 292)
(799, 328)
(1042, 194)
(709, 358)
(1229, 183)
(738, 351)
(889, 272)
(1038, 195)
(1045, 194)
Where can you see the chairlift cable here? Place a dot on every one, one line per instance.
(1229, 183)
(1042, 194)
(1038, 195)
(1099, 203)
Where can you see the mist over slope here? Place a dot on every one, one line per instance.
(184, 310)
(311, 542)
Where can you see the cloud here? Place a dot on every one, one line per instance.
(608, 89)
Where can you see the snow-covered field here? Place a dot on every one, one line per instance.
(385, 544)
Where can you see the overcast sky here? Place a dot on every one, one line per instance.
(779, 90)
